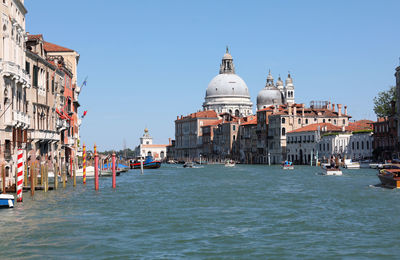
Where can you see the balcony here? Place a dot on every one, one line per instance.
(61, 124)
(45, 135)
(17, 119)
(10, 69)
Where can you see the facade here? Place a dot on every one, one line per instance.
(147, 148)
(227, 92)
(14, 83)
(188, 134)
(225, 135)
(397, 75)
(385, 143)
(245, 145)
(275, 95)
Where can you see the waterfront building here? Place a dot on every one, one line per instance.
(147, 148)
(397, 76)
(227, 92)
(188, 134)
(245, 146)
(207, 150)
(292, 117)
(225, 135)
(275, 95)
(385, 143)
(14, 83)
(44, 137)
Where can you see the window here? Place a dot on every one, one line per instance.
(327, 146)
(367, 145)
(323, 120)
(320, 147)
(362, 145)
(334, 121)
(27, 67)
(344, 121)
(306, 121)
(234, 128)
(299, 121)
(35, 76)
(358, 145)
(352, 145)
(283, 131)
(283, 120)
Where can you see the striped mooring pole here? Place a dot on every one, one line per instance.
(20, 174)
(113, 171)
(84, 164)
(96, 169)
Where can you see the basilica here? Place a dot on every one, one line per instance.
(228, 93)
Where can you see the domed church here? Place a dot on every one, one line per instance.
(276, 95)
(227, 92)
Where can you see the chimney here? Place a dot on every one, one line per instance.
(295, 110)
(339, 107)
(177, 117)
(275, 109)
(345, 110)
(302, 110)
(169, 141)
(333, 107)
(289, 110)
(329, 105)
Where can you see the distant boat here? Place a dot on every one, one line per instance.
(328, 170)
(188, 165)
(6, 201)
(390, 178)
(287, 165)
(149, 163)
(230, 163)
(349, 164)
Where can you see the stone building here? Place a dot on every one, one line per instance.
(227, 92)
(188, 134)
(245, 147)
(385, 143)
(147, 148)
(225, 135)
(14, 84)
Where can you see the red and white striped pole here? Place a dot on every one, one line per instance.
(113, 171)
(84, 164)
(20, 174)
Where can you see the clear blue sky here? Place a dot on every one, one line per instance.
(149, 61)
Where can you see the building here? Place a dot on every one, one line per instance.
(227, 92)
(272, 95)
(225, 135)
(385, 143)
(188, 134)
(15, 82)
(245, 147)
(147, 148)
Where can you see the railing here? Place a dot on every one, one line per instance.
(61, 124)
(13, 69)
(45, 135)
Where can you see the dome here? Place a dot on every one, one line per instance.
(227, 85)
(227, 56)
(268, 96)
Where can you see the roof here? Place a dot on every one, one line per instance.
(314, 127)
(360, 125)
(154, 145)
(212, 123)
(202, 114)
(51, 47)
(250, 121)
(35, 36)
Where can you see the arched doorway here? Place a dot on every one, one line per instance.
(301, 156)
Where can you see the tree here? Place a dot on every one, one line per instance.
(382, 102)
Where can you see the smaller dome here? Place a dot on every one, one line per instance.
(279, 82)
(289, 80)
(268, 96)
(269, 77)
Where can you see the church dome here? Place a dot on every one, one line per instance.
(268, 96)
(227, 85)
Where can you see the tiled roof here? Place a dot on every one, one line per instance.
(35, 36)
(216, 122)
(360, 125)
(251, 121)
(314, 127)
(202, 114)
(51, 47)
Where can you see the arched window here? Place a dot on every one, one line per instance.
(283, 131)
(148, 153)
(299, 121)
(230, 111)
(162, 154)
(283, 120)
(237, 112)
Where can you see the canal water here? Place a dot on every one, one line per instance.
(246, 212)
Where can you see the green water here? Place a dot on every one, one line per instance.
(246, 212)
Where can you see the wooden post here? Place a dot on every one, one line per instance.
(55, 176)
(64, 175)
(41, 174)
(96, 170)
(32, 174)
(46, 178)
(26, 174)
(74, 176)
(113, 171)
(3, 174)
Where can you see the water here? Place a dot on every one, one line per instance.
(246, 212)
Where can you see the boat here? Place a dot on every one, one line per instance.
(288, 165)
(89, 172)
(329, 170)
(390, 178)
(230, 163)
(349, 164)
(188, 165)
(149, 163)
(6, 201)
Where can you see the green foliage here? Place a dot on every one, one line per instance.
(121, 153)
(331, 133)
(363, 131)
(382, 102)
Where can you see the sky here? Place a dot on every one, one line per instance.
(149, 61)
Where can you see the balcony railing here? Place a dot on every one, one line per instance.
(18, 119)
(45, 135)
(13, 70)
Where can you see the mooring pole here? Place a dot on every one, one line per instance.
(3, 174)
(84, 164)
(96, 170)
(113, 171)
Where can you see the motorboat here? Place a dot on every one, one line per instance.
(349, 164)
(230, 163)
(288, 165)
(329, 170)
(6, 201)
(89, 172)
(148, 163)
(390, 178)
(188, 165)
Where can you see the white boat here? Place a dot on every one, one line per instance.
(89, 172)
(328, 170)
(288, 167)
(6, 201)
(230, 163)
(188, 165)
(349, 164)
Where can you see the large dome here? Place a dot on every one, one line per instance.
(227, 85)
(268, 96)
